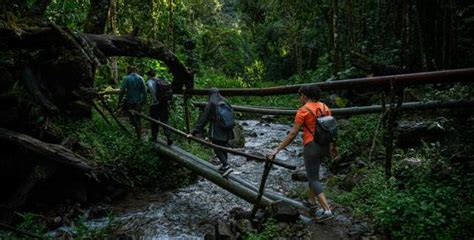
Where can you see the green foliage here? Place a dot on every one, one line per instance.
(355, 136)
(131, 162)
(83, 231)
(426, 203)
(70, 14)
(269, 231)
(30, 223)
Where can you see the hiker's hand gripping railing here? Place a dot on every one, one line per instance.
(230, 150)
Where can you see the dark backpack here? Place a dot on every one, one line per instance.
(225, 115)
(164, 93)
(326, 128)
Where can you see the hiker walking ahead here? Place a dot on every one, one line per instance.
(220, 115)
(161, 96)
(133, 89)
(313, 152)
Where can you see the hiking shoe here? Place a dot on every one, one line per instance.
(169, 142)
(225, 170)
(319, 213)
(325, 215)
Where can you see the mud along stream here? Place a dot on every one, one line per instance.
(191, 211)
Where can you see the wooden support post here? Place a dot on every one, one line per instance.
(106, 106)
(266, 171)
(187, 113)
(100, 112)
(395, 104)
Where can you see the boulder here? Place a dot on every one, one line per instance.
(282, 212)
(239, 139)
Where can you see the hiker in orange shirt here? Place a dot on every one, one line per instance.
(313, 152)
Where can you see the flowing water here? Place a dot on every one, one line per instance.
(189, 212)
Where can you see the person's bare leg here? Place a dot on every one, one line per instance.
(312, 196)
(322, 200)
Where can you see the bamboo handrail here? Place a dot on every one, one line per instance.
(409, 106)
(446, 76)
(199, 140)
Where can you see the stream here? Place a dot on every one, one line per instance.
(190, 212)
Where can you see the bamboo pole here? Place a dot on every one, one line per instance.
(271, 195)
(230, 150)
(266, 171)
(249, 195)
(409, 106)
(465, 75)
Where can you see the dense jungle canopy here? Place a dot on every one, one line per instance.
(59, 59)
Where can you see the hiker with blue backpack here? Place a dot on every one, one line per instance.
(133, 89)
(220, 115)
(319, 135)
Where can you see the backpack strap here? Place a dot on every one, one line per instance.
(314, 115)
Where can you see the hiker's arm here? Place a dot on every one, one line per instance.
(289, 138)
(122, 91)
(152, 90)
(143, 90)
(203, 119)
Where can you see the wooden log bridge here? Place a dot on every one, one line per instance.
(206, 143)
(233, 184)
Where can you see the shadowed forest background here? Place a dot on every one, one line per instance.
(58, 57)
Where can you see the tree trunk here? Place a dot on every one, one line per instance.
(335, 38)
(421, 42)
(39, 8)
(97, 16)
(114, 76)
(51, 152)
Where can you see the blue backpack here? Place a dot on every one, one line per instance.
(225, 115)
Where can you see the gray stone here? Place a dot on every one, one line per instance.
(282, 212)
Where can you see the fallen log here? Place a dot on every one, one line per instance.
(38, 174)
(51, 152)
(173, 153)
(44, 36)
(271, 195)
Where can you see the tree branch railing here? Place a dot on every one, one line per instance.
(447, 76)
(409, 106)
(206, 143)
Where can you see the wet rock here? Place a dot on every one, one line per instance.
(411, 133)
(239, 138)
(299, 176)
(352, 179)
(222, 231)
(244, 225)
(239, 213)
(282, 212)
(357, 230)
(252, 134)
(267, 118)
(209, 236)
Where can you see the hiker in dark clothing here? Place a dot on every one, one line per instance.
(133, 89)
(218, 135)
(160, 104)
